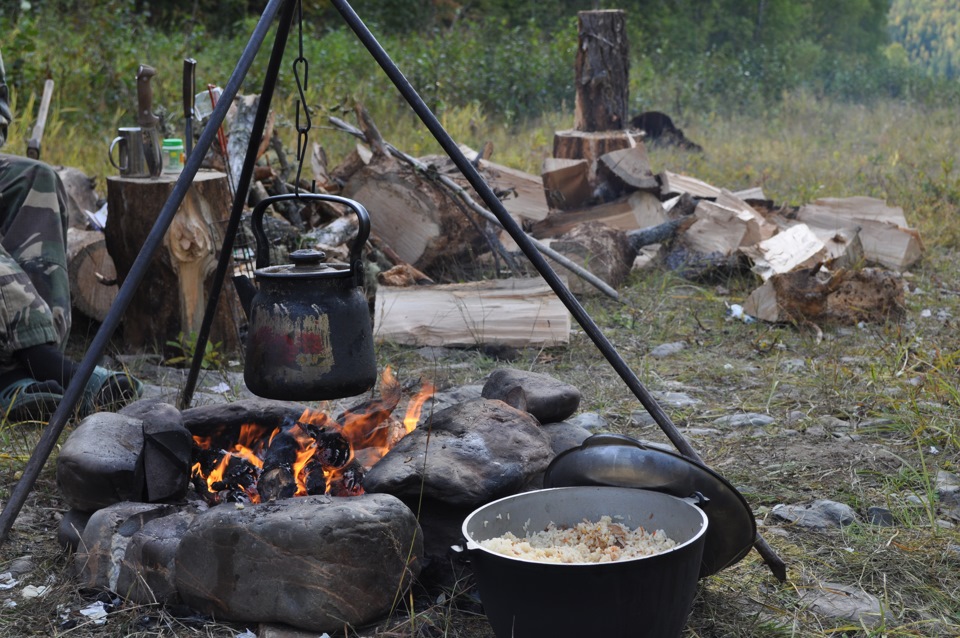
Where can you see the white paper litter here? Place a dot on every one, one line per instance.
(34, 591)
(96, 612)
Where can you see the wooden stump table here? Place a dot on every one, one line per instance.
(173, 295)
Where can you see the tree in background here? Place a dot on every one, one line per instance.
(929, 33)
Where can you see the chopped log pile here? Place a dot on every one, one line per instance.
(595, 211)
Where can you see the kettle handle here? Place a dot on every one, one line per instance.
(263, 248)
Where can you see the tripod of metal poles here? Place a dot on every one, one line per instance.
(286, 10)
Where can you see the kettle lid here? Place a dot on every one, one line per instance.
(307, 264)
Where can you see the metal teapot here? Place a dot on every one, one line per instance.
(310, 335)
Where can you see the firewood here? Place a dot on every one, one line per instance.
(628, 169)
(658, 234)
(487, 215)
(515, 312)
(356, 159)
(425, 225)
(637, 210)
(566, 182)
(603, 250)
(886, 238)
(672, 184)
(794, 248)
(93, 276)
(811, 295)
(591, 145)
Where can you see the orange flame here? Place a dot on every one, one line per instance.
(370, 429)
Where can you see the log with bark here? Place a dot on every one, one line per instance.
(602, 67)
(93, 276)
(813, 296)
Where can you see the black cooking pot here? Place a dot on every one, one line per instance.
(647, 597)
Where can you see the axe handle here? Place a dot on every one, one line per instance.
(33, 144)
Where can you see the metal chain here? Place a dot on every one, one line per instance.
(301, 69)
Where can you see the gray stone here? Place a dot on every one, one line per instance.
(71, 528)
(564, 436)
(791, 366)
(443, 400)
(641, 419)
(316, 563)
(167, 449)
(667, 349)
(675, 399)
(105, 538)
(148, 572)
(207, 419)
(831, 422)
(839, 601)
(880, 516)
(101, 462)
(592, 421)
(546, 398)
(751, 419)
(472, 453)
(820, 514)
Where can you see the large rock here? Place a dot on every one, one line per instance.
(469, 455)
(105, 539)
(317, 562)
(541, 395)
(148, 571)
(168, 446)
(101, 462)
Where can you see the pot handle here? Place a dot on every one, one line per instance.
(263, 248)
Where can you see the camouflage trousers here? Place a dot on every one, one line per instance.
(34, 284)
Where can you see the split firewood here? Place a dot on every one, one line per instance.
(884, 234)
(566, 182)
(814, 296)
(461, 192)
(628, 169)
(672, 184)
(630, 212)
(591, 145)
(659, 234)
(403, 275)
(512, 312)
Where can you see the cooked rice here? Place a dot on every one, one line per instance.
(586, 542)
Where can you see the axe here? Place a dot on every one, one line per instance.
(33, 144)
(148, 121)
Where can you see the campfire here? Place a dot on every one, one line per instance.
(314, 454)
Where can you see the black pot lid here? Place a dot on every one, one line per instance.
(616, 460)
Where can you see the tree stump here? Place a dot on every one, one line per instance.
(172, 297)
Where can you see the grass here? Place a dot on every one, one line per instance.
(862, 415)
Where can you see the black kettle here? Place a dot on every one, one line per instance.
(310, 334)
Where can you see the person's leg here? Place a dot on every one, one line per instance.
(34, 284)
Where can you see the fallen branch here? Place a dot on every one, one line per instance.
(469, 201)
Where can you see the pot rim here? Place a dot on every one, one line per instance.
(474, 546)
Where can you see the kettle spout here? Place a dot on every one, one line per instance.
(246, 291)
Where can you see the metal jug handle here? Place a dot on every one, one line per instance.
(118, 140)
(263, 248)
